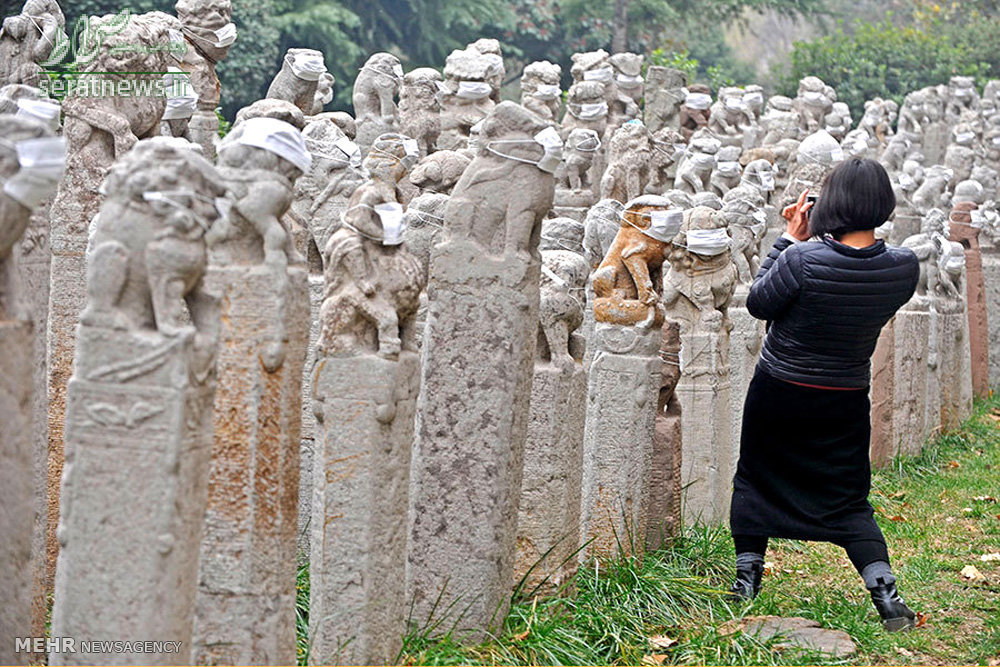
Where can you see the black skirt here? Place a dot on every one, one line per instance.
(804, 471)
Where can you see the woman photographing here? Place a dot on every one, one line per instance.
(804, 471)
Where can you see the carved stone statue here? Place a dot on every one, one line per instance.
(759, 174)
(374, 97)
(781, 120)
(627, 173)
(469, 79)
(838, 122)
(626, 284)
(490, 50)
(744, 217)
(877, 121)
(601, 225)
(962, 97)
(928, 246)
(540, 90)
(28, 39)
(372, 282)
(933, 192)
(961, 153)
(668, 149)
(298, 80)
(664, 96)
(729, 116)
(324, 93)
(562, 298)
(586, 107)
(695, 169)
(260, 159)
(727, 172)
(627, 86)
(813, 102)
(420, 108)
(702, 275)
(440, 171)
(581, 146)
(696, 109)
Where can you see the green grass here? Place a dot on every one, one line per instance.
(934, 524)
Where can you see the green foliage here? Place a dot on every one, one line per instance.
(889, 61)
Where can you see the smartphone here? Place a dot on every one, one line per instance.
(811, 199)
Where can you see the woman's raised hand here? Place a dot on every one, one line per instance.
(798, 221)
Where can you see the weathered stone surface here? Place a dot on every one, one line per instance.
(966, 232)
(374, 97)
(794, 632)
(17, 492)
(365, 408)
(991, 281)
(28, 39)
(622, 394)
(883, 393)
(479, 352)
(138, 427)
(298, 80)
(663, 506)
(663, 98)
(549, 511)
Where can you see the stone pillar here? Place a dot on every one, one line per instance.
(932, 411)
(479, 353)
(138, 443)
(622, 392)
(308, 434)
(991, 281)
(663, 494)
(364, 393)
(549, 514)
(365, 409)
(911, 331)
(246, 587)
(17, 493)
(963, 231)
(954, 357)
(745, 342)
(882, 394)
(139, 416)
(709, 455)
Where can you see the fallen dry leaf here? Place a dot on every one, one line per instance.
(661, 642)
(768, 568)
(921, 619)
(521, 636)
(968, 510)
(985, 499)
(971, 573)
(954, 464)
(994, 662)
(898, 518)
(655, 659)
(902, 651)
(986, 558)
(898, 494)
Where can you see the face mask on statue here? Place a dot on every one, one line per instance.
(708, 242)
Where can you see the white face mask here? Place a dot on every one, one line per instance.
(350, 149)
(590, 142)
(43, 110)
(393, 223)
(664, 225)
(699, 101)
(964, 137)
(814, 98)
(906, 182)
(182, 101)
(225, 35)
(860, 146)
(547, 91)
(708, 242)
(601, 74)
(308, 67)
(702, 160)
(753, 99)
(766, 179)
(473, 90)
(977, 218)
(728, 169)
(837, 154)
(41, 163)
(548, 139)
(735, 104)
(281, 138)
(591, 110)
(627, 81)
(996, 141)
(759, 216)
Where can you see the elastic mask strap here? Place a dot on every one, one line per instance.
(490, 148)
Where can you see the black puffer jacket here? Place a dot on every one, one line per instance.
(826, 303)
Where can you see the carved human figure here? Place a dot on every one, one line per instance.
(695, 169)
(29, 39)
(696, 109)
(517, 149)
(582, 145)
(702, 276)
(627, 283)
(600, 227)
(260, 159)
(374, 97)
(372, 283)
(420, 108)
(147, 252)
(727, 171)
(627, 172)
(31, 164)
(664, 96)
(540, 91)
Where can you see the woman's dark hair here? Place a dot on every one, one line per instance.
(857, 195)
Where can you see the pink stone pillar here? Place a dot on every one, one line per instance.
(963, 231)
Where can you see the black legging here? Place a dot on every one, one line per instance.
(861, 552)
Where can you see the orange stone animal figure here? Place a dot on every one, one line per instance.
(626, 282)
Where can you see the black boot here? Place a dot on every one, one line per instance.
(893, 611)
(747, 583)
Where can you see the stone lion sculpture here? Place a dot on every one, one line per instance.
(629, 154)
